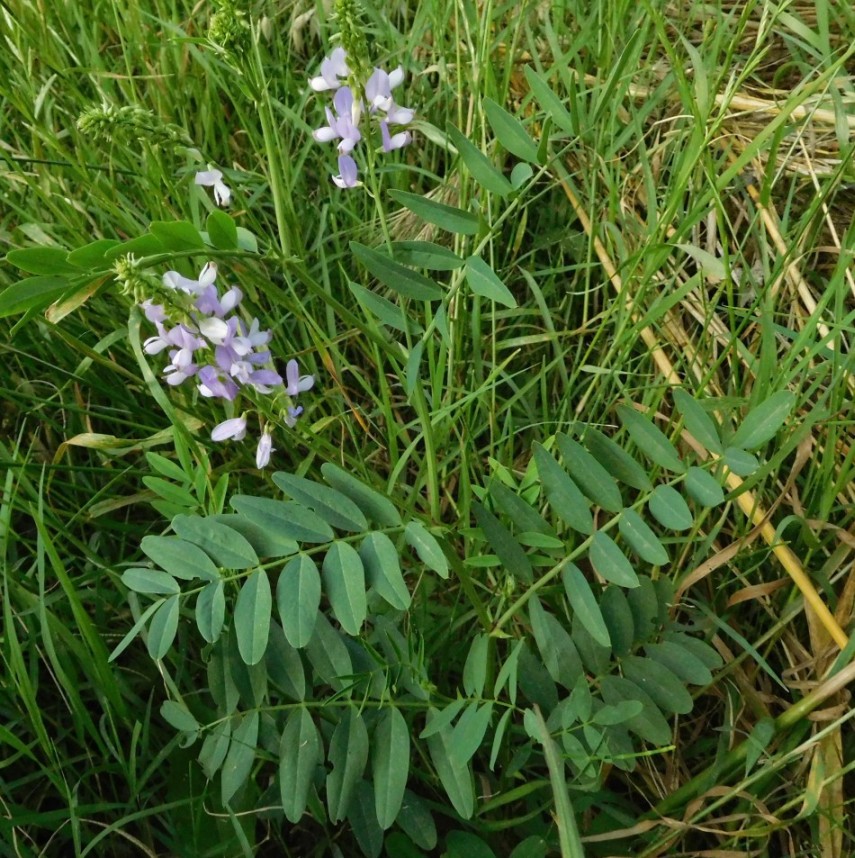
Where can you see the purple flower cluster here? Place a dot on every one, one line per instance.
(343, 120)
(221, 352)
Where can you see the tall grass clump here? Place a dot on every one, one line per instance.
(426, 428)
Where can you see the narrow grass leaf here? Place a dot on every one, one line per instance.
(651, 440)
(584, 604)
(138, 626)
(163, 628)
(610, 562)
(241, 755)
(252, 617)
(563, 494)
(762, 423)
(485, 282)
(226, 547)
(390, 765)
(331, 505)
(510, 132)
(397, 277)
(667, 506)
(150, 581)
(348, 754)
(375, 505)
(697, 421)
(704, 487)
(498, 736)
(480, 167)
(211, 611)
(449, 218)
(617, 461)
(288, 519)
(298, 597)
(594, 480)
(383, 568)
(641, 538)
(180, 558)
(300, 753)
(420, 539)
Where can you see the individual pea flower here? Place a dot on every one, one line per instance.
(333, 67)
(342, 123)
(214, 382)
(293, 414)
(378, 92)
(210, 303)
(214, 179)
(180, 283)
(296, 383)
(234, 428)
(347, 173)
(264, 449)
(393, 141)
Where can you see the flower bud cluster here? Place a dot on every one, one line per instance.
(221, 352)
(353, 101)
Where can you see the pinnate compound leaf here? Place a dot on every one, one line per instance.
(288, 519)
(594, 480)
(211, 611)
(163, 628)
(563, 494)
(180, 558)
(510, 132)
(32, 293)
(380, 559)
(617, 461)
(651, 440)
(344, 582)
(664, 688)
(485, 282)
(584, 604)
(669, 509)
(762, 423)
(610, 562)
(151, 581)
(375, 505)
(697, 421)
(241, 755)
(397, 277)
(641, 539)
(215, 747)
(298, 597)
(224, 546)
(331, 505)
(420, 539)
(300, 753)
(479, 165)
(390, 765)
(252, 617)
(222, 230)
(348, 754)
(449, 218)
(704, 487)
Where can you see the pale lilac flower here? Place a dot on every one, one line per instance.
(214, 329)
(378, 88)
(214, 179)
(297, 383)
(234, 428)
(263, 451)
(210, 303)
(181, 367)
(251, 337)
(293, 414)
(333, 67)
(174, 280)
(394, 141)
(347, 177)
(342, 123)
(215, 382)
(155, 313)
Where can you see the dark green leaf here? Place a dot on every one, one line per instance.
(557, 650)
(265, 542)
(298, 597)
(397, 277)
(442, 719)
(426, 254)
(664, 688)
(42, 260)
(388, 313)
(700, 649)
(331, 505)
(33, 293)
(697, 421)
(704, 487)
(300, 753)
(380, 559)
(549, 101)
(641, 539)
(222, 230)
(468, 733)
(141, 246)
(742, 463)
(419, 538)
(162, 628)
(211, 611)
(479, 165)
(610, 562)
(252, 617)
(362, 820)
(509, 552)
(284, 665)
(241, 755)
(390, 765)
(416, 820)
(508, 673)
(223, 545)
(215, 747)
(177, 235)
(348, 754)
(456, 780)
(617, 616)
(680, 661)
(618, 713)
(150, 581)
(510, 132)
(669, 509)
(533, 846)
(464, 844)
(344, 582)
(92, 255)
(178, 495)
(584, 604)
(287, 519)
(177, 715)
(449, 218)
(651, 440)
(475, 668)
(650, 723)
(485, 282)
(617, 461)
(563, 495)
(524, 518)
(180, 558)
(328, 654)
(594, 480)
(644, 606)
(762, 423)
(375, 505)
